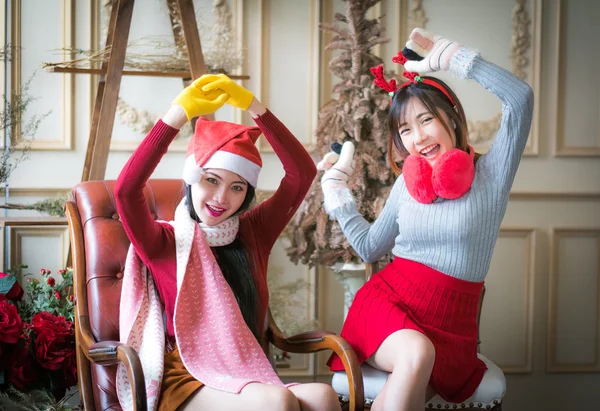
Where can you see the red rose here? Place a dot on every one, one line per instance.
(10, 323)
(24, 372)
(43, 321)
(51, 350)
(51, 281)
(55, 340)
(10, 287)
(57, 295)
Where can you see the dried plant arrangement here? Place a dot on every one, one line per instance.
(358, 113)
(221, 51)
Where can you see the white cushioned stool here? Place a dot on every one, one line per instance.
(488, 395)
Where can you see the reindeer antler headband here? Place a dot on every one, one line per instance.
(412, 77)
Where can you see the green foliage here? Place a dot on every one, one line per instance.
(48, 295)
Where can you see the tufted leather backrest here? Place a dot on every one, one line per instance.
(106, 247)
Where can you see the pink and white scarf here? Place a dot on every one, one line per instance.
(215, 345)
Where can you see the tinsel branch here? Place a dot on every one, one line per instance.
(334, 28)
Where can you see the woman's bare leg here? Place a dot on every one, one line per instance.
(259, 397)
(253, 397)
(409, 356)
(316, 397)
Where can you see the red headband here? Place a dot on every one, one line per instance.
(412, 77)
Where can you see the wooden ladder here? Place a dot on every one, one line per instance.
(111, 71)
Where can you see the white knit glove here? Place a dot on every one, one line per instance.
(334, 183)
(439, 53)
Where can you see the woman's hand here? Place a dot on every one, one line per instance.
(435, 50)
(196, 102)
(238, 96)
(334, 183)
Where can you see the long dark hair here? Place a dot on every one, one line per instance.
(436, 102)
(235, 265)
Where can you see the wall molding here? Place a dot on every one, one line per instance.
(532, 147)
(529, 235)
(552, 363)
(18, 233)
(403, 29)
(67, 27)
(325, 55)
(264, 34)
(95, 15)
(314, 54)
(561, 149)
(36, 191)
(237, 22)
(261, 194)
(554, 196)
(2, 68)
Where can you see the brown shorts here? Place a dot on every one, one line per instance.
(177, 385)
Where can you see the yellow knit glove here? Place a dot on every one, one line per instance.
(196, 102)
(238, 96)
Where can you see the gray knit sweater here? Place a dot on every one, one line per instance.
(456, 237)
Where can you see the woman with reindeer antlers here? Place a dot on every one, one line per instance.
(417, 318)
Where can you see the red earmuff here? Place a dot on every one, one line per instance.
(451, 176)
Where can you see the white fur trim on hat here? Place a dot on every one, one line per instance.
(236, 164)
(191, 172)
(247, 169)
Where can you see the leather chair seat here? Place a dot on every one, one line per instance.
(489, 393)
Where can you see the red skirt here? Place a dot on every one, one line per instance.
(410, 295)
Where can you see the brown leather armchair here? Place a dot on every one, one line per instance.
(99, 248)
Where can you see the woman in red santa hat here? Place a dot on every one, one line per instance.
(417, 318)
(207, 268)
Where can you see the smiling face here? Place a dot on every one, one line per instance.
(424, 134)
(218, 195)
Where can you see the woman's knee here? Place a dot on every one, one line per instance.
(281, 399)
(418, 353)
(316, 396)
(325, 396)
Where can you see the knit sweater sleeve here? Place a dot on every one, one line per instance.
(270, 218)
(501, 162)
(149, 237)
(371, 241)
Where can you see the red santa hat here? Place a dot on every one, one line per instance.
(220, 144)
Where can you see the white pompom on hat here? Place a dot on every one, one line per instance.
(220, 144)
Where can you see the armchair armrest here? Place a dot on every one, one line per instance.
(313, 341)
(113, 352)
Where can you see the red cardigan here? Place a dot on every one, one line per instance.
(259, 227)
